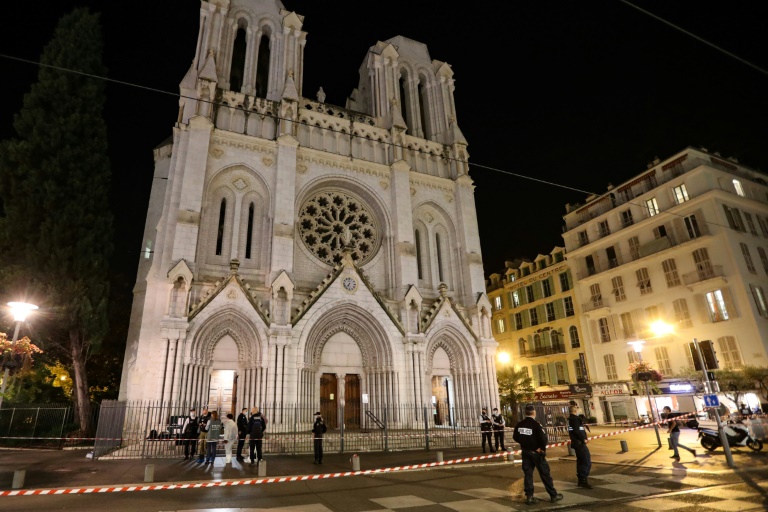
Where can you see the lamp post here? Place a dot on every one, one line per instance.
(638, 346)
(19, 310)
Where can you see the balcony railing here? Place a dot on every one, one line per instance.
(557, 348)
(593, 304)
(703, 274)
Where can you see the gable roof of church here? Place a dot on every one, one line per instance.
(220, 286)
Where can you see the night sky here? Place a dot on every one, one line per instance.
(578, 93)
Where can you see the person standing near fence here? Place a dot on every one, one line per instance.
(202, 423)
(485, 429)
(498, 429)
(256, 427)
(533, 442)
(579, 441)
(242, 431)
(318, 429)
(230, 436)
(190, 432)
(215, 431)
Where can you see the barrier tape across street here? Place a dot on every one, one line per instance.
(301, 478)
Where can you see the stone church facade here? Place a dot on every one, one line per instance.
(297, 252)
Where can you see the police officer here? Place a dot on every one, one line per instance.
(498, 429)
(532, 439)
(579, 444)
(485, 429)
(242, 431)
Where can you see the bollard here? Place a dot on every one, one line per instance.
(149, 473)
(355, 463)
(439, 456)
(18, 478)
(571, 451)
(262, 468)
(624, 448)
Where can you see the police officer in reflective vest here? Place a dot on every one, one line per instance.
(579, 444)
(530, 435)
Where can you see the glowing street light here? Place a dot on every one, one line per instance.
(503, 357)
(20, 311)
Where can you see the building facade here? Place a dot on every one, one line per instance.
(305, 253)
(536, 322)
(684, 243)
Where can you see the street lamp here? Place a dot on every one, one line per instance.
(638, 346)
(503, 357)
(19, 310)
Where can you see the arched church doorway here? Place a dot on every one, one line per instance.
(222, 392)
(328, 399)
(442, 388)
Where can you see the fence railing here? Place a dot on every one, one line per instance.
(153, 429)
(41, 425)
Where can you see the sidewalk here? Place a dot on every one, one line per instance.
(70, 468)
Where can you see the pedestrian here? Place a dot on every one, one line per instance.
(215, 431)
(498, 429)
(230, 436)
(485, 429)
(202, 427)
(530, 435)
(579, 441)
(190, 432)
(256, 427)
(318, 429)
(242, 432)
(673, 429)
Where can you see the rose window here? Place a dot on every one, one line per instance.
(330, 220)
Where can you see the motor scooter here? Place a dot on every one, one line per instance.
(737, 434)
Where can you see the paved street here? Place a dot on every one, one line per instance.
(644, 478)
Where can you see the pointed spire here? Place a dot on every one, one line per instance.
(289, 91)
(454, 134)
(209, 68)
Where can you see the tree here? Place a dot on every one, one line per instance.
(515, 387)
(54, 183)
(735, 382)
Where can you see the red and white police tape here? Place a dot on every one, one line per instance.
(302, 478)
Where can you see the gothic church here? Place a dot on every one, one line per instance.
(297, 252)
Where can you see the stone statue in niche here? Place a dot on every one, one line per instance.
(321, 95)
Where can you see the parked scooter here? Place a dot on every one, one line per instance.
(736, 433)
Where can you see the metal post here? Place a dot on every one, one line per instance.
(708, 386)
(34, 427)
(426, 429)
(6, 371)
(650, 406)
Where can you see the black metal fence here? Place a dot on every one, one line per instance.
(42, 426)
(153, 429)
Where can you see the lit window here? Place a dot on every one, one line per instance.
(497, 303)
(653, 207)
(633, 357)
(716, 306)
(610, 367)
(739, 188)
(759, 296)
(148, 250)
(516, 298)
(500, 325)
(681, 194)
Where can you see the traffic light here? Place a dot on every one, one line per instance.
(708, 351)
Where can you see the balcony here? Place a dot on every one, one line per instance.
(557, 348)
(658, 245)
(594, 303)
(703, 274)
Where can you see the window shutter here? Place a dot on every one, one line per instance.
(730, 306)
(522, 295)
(552, 374)
(538, 292)
(613, 321)
(526, 319)
(680, 232)
(565, 371)
(536, 382)
(701, 306)
(541, 311)
(512, 324)
(559, 309)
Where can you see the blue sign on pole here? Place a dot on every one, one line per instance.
(711, 401)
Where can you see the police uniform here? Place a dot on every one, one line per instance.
(485, 429)
(498, 429)
(532, 439)
(578, 437)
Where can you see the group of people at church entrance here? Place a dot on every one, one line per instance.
(202, 435)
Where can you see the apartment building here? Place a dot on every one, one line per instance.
(535, 322)
(684, 242)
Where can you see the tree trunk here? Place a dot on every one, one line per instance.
(81, 383)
